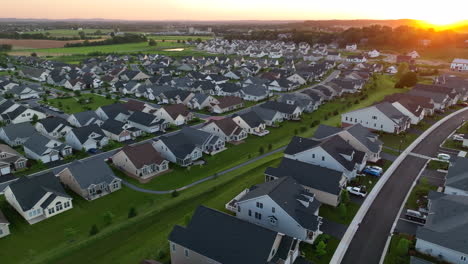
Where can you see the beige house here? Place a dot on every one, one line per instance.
(141, 161)
(4, 226)
(91, 179)
(10, 160)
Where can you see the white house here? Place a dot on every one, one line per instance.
(226, 129)
(459, 65)
(178, 149)
(40, 147)
(351, 47)
(380, 117)
(39, 197)
(4, 226)
(252, 123)
(373, 54)
(86, 138)
(281, 205)
(177, 114)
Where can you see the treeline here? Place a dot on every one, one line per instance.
(5, 47)
(127, 38)
(46, 36)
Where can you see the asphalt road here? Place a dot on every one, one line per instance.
(369, 241)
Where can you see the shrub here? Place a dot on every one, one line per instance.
(132, 212)
(94, 230)
(174, 193)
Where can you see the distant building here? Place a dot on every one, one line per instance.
(459, 65)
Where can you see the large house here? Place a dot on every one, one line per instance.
(227, 104)
(459, 65)
(207, 142)
(55, 127)
(456, 182)
(326, 184)
(444, 234)
(252, 123)
(147, 122)
(178, 149)
(281, 205)
(10, 160)
(357, 136)
(140, 161)
(45, 149)
(90, 179)
(39, 197)
(86, 118)
(86, 138)
(225, 129)
(334, 153)
(216, 237)
(177, 114)
(380, 117)
(16, 134)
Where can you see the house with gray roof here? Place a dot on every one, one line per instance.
(86, 138)
(91, 178)
(10, 160)
(444, 235)
(357, 136)
(4, 225)
(147, 122)
(289, 112)
(45, 149)
(380, 117)
(39, 197)
(178, 149)
(326, 184)
(201, 101)
(116, 111)
(216, 237)
(85, 118)
(456, 182)
(254, 93)
(36, 74)
(22, 114)
(116, 130)
(334, 153)
(302, 100)
(271, 117)
(226, 129)
(281, 205)
(252, 123)
(16, 134)
(207, 142)
(23, 92)
(55, 127)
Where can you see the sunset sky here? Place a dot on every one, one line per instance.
(445, 12)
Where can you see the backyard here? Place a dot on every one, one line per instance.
(84, 102)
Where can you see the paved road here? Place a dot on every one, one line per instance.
(369, 241)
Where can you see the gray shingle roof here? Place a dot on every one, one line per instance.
(22, 130)
(30, 190)
(447, 222)
(91, 171)
(280, 107)
(224, 238)
(144, 119)
(306, 174)
(85, 117)
(52, 123)
(252, 119)
(286, 193)
(359, 132)
(457, 176)
(299, 144)
(179, 144)
(83, 133)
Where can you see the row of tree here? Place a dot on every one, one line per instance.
(127, 38)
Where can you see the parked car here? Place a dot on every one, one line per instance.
(377, 168)
(443, 156)
(359, 191)
(416, 216)
(92, 151)
(457, 137)
(463, 104)
(371, 171)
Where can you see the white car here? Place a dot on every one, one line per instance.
(443, 156)
(359, 191)
(457, 137)
(377, 168)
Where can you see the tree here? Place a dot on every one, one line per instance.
(34, 119)
(345, 197)
(152, 42)
(77, 93)
(132, 212)
(403, 247)
(108, 218)
(94, 230)
(261, 150)
(320, 249)
(409, 79)
(34, 54)
(82, 34)
(343, 211)
(270, 146)
(402, 69)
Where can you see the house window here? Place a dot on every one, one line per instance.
(463, 258)
(273, 210)
(51, 210)
(313, 156)
(250, 212)
(67, 204)
(173, 247)
(238, 209)
(346, 118)
(186, 252)
(381, 126)
(259, 205)
(374, 117)
(116, 185)
(58, 206)
(323, 158)
(258, 216)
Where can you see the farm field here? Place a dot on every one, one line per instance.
(69, 32)
(21, 44)
(172, 38)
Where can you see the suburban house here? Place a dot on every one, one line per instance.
(351, 47)
(55, 127)
(357, 136)
(45, 149)
(289, 112)
(24, 92)
(356, 59)
(86, 118)
(116, 130)
(147, 122)
(271, 117)
(456, 182)
(116, 111)
(460, 65)
(334, 153)
(141, 161)
(177, 114)
(380, 117)
(216, 237)
(252, 123)
(225, 129)
(10, 160)
(38, 198)
(201, 101)
(326, 184)
(86, 138)
(178, 149)
(36, 74)
(91, 179)
(207, 142)
(4, 226)
(281, 205)
(21, 114)
(254, 93)
(444, 234)
(227, 104)
(16, 134)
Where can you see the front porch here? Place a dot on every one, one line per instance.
(232, 205)
(260, 133)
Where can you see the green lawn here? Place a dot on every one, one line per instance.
(393, 256)
(452, 144)
(69, 32)
(180, 37)
(332, 213)
(401, 141)
(72, 105)
(437, 165)
(418, 195)
(3, 73)
(310, 254)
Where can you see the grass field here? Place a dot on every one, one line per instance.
(310, 253)
(129, 241)
(418, 195)
(444, 54)
(395, 257)
(72, 105)
(69, 32)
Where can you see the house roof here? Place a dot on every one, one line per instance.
(144, 119)
(180, 145)
(51, 123)
(313, 176)
(324, 131)
(252, 119)
(84, 117)
(198, 137)
(143, 154)
(299, 144)
(91, 171)
(134, 105)
(290, 196)
(280, 107)
(228, 101)
(255, 90)
(227, 125)
(28, 191)
(457, 176)
(113, 126)
(37, 143)
(83, 133)
(176, 109)
(359, 132)
(447, 222)
(114, 110)
(225, 238)
(21, 130)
